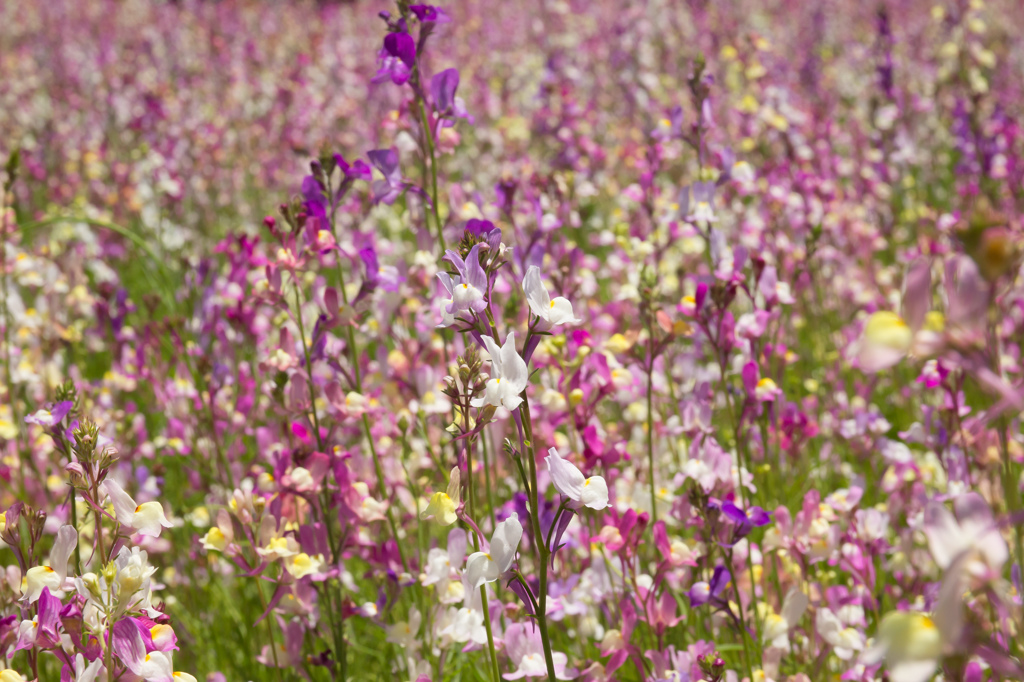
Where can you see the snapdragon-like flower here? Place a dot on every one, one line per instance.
(911, 645)
(777, 625)
(447, 105)
(524, 648)
(696, 202)
(703, 592)
(487, 567)
(551, 311)
(53, 574)
(396, 58)
(970, 543)
(443, 507)
(745, 520)
(392, 185)
(469, 292)
(569, 481)
(146, 518)
(430, 14)
(50, 417)
(845, 639)
(509, 375)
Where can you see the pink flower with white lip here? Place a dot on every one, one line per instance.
(972, 535)
(569, 481)
(524, 648)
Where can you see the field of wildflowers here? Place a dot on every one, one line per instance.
(640, 340)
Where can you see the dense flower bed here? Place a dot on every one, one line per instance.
(563, 340)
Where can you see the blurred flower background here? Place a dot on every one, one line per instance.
(659, 340)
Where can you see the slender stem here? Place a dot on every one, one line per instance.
(487, 478)
(270, 629)
(74, 524)
(650, 428)
(429, 137)
(542, 551)
(495, 673)
(744, 635)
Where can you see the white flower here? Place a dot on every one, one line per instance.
(569, 481)
(509, 375)
(147, 518)
(975, 538)
(911, 645)
(443, 567)
(778, 625)
(553, 311)
(844, 639)
(404, 633)
(54, 574)
(487, 567)
(461, 625)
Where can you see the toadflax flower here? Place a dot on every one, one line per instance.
(844, 638)
(53, 574)
(569, 481)
(524, 648)
(396, 58)
(487, 567)
(777, 625)
(509, 375)
(911, 645)
(443, 507)
(551, 311)
(146, 518)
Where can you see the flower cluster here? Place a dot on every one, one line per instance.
(593, 342)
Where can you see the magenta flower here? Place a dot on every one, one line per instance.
(397, 58)
(429, 14)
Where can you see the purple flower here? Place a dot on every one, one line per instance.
(704, 592)
(745, 520)
(506, 192)
(485, 230)
(442, 89)
(392, 186)
(313, 198)
(357, 171)
(52, 416)
(446, 104)
(396, 58)
(671, 126)
(430, 14)
(386, 277)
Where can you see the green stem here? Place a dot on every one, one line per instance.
(650, 432)
(542, 551)
(270, 629)
(487, 479)
(74, 524)
(429, 136)
(495, 673)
